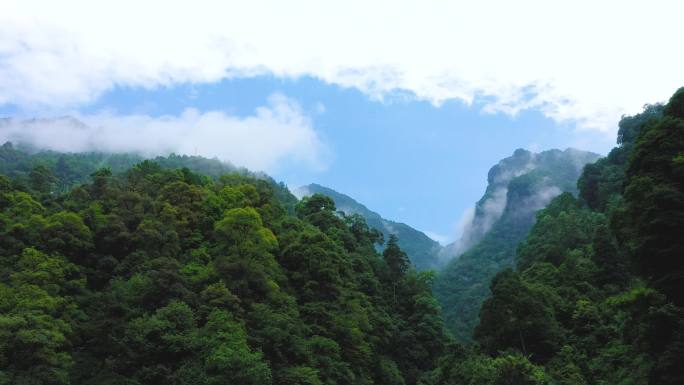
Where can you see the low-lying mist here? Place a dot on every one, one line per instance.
(277, 132)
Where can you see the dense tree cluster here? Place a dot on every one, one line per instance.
(423, 252)
(162, 275)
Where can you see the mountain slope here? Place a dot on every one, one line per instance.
(518, 187)
(157, 275)
(423, 251)
(596, 295)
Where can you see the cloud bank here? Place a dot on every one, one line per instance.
(276, 133)
(583, 62)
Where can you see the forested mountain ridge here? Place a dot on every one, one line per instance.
(423, 251)
(62, 171)
(71, 169)
(17, 162)
(596, 295)
(518, 186)
(551, 171)
(165, 276)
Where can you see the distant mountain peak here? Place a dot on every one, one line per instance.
(65, 119)
(554, 171)
(518, 187)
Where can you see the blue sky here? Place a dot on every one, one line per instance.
(403, 105)
(409, 160)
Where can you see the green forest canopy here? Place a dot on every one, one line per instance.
(165, 276)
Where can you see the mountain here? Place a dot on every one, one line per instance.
(597, 293)
(162, 275)
(518, 186)
(423, 251)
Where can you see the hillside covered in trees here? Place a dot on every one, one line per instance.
(423, 252)
(165, 276)
(166, 272)
(596, 293)
(518, 186)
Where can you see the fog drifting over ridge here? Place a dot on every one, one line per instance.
(275, 133)
(478, 220)
(569, 61)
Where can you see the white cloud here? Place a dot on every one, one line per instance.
(465, 221)
(276, 133)
(300, 192)
(439, 238)
(584, 61)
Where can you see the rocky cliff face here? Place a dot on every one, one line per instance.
(518, 186)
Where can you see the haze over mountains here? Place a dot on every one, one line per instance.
(519, 186)
(556, 170)
(284, 134)
(553, 172)
(424, 252)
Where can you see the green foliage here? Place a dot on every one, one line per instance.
(423, 252)
(654, 201)
(150, 275)
(596, 297)
(37, 318)
(601, 183)
(560, 227)
(518, 316)
(507, 369)
(397, 261)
